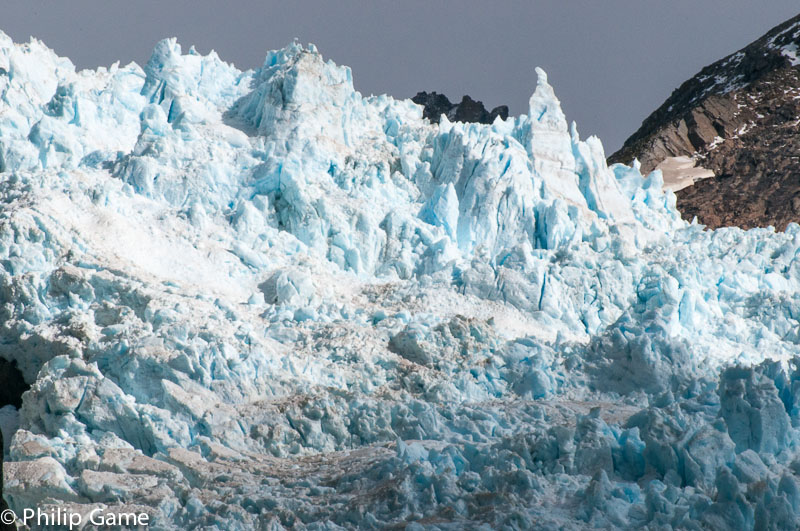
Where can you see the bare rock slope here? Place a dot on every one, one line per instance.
(739, 118)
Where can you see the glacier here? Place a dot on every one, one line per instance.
(259, 299)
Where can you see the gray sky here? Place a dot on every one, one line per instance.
(611, 62)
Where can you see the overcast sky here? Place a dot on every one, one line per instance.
(611, 62)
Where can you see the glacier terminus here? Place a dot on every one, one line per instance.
(260, 300)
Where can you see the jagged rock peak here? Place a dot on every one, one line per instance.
(468, 110)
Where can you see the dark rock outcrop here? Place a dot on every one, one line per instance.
(13, 384)
(468, 110)
(739, 118)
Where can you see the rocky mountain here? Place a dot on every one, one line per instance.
(738, 118)
(469, 110)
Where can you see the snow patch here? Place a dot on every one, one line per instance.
(680, 172)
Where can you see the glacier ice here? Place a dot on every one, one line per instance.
(261, 299)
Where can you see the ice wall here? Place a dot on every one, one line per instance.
(262, 299)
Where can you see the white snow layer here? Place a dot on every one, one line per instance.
(681, 172)
(261, 300)
(790, 51)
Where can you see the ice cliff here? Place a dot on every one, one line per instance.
(262, 300)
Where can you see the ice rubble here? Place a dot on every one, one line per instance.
(260, 299)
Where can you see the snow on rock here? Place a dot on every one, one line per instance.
(790, 52)
(261, 299)
(680, 172)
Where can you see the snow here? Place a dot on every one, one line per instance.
(261, 300)
(790, 51)
(680, 172)
(782, 43)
